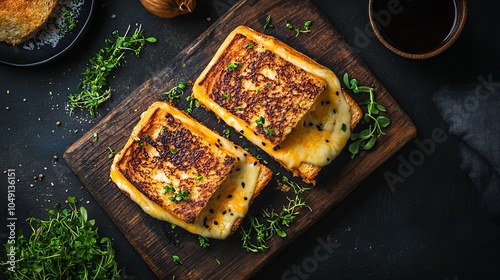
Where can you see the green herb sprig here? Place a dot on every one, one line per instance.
(307, 27)
(178, 195)
(233, 65)
(272, 222)
(93, 90)
(366, 138)
(204, 242)
(268, 23)
(66, 246)
(176, 91)
(192, 103)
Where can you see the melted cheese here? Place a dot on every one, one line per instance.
(228, 204)
(323, 132)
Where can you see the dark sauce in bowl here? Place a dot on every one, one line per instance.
(418, 26)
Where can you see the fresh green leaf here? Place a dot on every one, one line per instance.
(370, 143)
(272, 223)
(383, 121)
(354, 147)
(65, 246)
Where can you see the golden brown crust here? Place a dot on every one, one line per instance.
(21, 19)
(270, 94)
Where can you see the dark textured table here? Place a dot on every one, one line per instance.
(415, 217)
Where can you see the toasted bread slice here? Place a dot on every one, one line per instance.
(280, 99)
(180, 171)
(21, 19)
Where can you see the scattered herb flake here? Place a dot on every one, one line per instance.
(233, 65)
(204, 242)
(176, 91)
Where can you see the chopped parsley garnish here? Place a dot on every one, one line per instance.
(178, 195)
(176, 91)
(268, 23)
(233, 65)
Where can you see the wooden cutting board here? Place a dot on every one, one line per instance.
(156, 241)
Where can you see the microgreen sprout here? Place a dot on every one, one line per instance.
(111, 153)
(268, 23)
(176, 91)
(366, 138)
(193, 103)
(178, 195)
(226, 132)
(233, 65)
(307, 27)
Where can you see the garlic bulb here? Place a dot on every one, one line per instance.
(169, 8)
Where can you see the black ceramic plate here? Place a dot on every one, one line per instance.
(22, 55)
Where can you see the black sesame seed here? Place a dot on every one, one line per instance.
(229, 196)
(337, 93)
(241, 131)
(238, 169)
(216, 223)
(254, 163)
(327, 141)
(224, 213)
(245, 198)
(263, 144)
(243, 184)
(327, 159)
(334, 111)
(212, 211)
(311, 124)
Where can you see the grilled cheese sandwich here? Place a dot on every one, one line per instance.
(281, 100)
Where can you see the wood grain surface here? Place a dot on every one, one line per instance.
(155, 240)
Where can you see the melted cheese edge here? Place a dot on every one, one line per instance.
(228, 204)
(305, 144)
